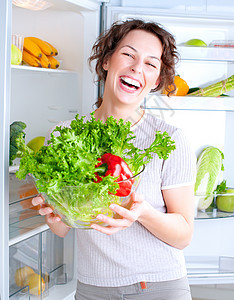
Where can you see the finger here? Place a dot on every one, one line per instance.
(114, 222)
(136, 201)
(136, 197)
(52, 218)
(45, 210)
(37, 201)
(123, 212)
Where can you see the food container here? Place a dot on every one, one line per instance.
(18, 41)
(39, 264)
(222, 202)
(222, 43)
(82, 215)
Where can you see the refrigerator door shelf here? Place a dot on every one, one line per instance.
(23, 216)
(37, 69)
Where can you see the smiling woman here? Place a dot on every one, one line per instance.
(140, 252)
(132, 70)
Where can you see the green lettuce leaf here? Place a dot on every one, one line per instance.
(69, 159)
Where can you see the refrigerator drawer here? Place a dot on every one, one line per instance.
(40, 263)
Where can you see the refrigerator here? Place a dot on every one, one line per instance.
(42, 97)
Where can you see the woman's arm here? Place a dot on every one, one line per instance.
(52, 220)
(175, 227)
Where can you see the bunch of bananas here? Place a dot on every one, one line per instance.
(38, 53)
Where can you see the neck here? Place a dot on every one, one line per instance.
(132, 114)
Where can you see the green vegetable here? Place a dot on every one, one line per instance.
(18, 147)
(216, 89)
(209, 165)
(194, 89)
(222, 187)
(70, 160)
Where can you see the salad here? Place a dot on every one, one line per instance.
(89, 165)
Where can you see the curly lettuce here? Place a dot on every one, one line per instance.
(70, 158)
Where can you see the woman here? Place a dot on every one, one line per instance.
(146, 259)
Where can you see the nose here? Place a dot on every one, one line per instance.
(136, 66)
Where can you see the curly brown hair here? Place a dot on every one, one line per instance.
(108, 41)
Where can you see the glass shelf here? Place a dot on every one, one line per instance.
(162, 102)
(216, 54)
(210, 270)
(213, 213)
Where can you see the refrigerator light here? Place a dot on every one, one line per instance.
(32, 4)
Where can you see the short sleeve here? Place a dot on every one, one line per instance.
(180, 168)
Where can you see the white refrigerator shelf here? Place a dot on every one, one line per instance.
(210, 270)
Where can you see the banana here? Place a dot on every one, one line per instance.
(45, 48)
(53, 61)
(31, 60)
(55, 51)
(45, 61)
(31, 47)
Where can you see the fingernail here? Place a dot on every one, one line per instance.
(112, 206)
(99, 217)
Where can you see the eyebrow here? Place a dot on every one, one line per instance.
(151, 56)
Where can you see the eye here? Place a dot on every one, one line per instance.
(128, 54)
(151, 65)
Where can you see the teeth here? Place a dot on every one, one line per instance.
(131, 81)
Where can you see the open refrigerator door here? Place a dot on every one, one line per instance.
(41, 265)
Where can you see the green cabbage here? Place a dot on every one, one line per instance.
(209, 165)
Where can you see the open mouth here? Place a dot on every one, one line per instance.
(130, 83)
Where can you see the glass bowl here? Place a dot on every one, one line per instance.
(64, 202)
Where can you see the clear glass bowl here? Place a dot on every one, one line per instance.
(82, 216)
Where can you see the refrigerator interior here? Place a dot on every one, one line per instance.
(41, 97)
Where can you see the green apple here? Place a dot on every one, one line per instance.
(196, 43)
(36, 143)
(226, 202)
(16, 55)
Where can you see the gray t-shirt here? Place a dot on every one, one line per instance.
(134, 254)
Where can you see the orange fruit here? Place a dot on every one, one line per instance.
(182, 87)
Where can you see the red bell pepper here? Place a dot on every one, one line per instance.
(115, 166)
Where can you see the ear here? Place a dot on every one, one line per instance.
(156, 84)
(106, 65)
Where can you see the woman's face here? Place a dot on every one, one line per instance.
(134, 68)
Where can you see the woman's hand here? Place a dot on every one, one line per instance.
(45, 210)
(123, 218)
(52, 220)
